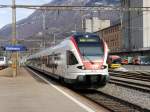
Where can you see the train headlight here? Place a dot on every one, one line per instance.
(81, 67)
(103, 67)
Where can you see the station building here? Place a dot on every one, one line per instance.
(132, 36)
(112, 36)
(94, 24)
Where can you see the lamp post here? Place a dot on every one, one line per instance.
(14, 40)
(13, 21)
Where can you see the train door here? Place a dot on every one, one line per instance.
(53, 63)
(71, 62)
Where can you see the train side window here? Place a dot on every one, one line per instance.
(71, 59)
(50, 62)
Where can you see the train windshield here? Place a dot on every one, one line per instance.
(91, 47)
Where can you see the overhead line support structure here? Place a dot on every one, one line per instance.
(55, 8)
(78, 7)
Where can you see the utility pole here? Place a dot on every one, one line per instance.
(44, 26)
(83, 20)
(92, 23)
(54, 39)
(14, 54)
(75, 27)
(13, 22)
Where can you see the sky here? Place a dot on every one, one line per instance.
(5, 13)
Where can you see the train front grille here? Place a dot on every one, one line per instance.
(89, 79)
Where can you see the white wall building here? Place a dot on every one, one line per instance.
(136, 26)
(95, 24)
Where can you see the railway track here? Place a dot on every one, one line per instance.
(109, 102)
(131, 80)
(132, 75)
(112, 103)
(132, 84)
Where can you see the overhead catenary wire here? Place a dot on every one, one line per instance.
(78, 7)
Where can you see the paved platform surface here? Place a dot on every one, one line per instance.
(25, 94)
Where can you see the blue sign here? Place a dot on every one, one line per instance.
(15, 48)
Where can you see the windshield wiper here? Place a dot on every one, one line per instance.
(87, 57)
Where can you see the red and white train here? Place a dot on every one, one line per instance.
(79, 60)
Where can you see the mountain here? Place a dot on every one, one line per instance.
(58, 22)
(104, 2)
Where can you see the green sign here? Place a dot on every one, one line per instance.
(88, 40)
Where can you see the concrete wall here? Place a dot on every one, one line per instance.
(96, 24)
(125, 25)
(146, 24)
(136, 25)
(88, 27)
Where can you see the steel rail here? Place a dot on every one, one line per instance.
(130, 85)
(112, 103)
(134, 76)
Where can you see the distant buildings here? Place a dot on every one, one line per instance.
(112, 36)
(136, 26)
(133, 35)
(95, 24)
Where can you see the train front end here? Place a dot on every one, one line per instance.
(90, 55)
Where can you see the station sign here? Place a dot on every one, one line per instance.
(15, 48)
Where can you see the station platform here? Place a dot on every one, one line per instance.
(24, 93)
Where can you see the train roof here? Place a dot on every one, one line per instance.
(63, 43)
(78, 34)
(47, 50)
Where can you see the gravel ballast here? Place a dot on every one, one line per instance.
(127, 94)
